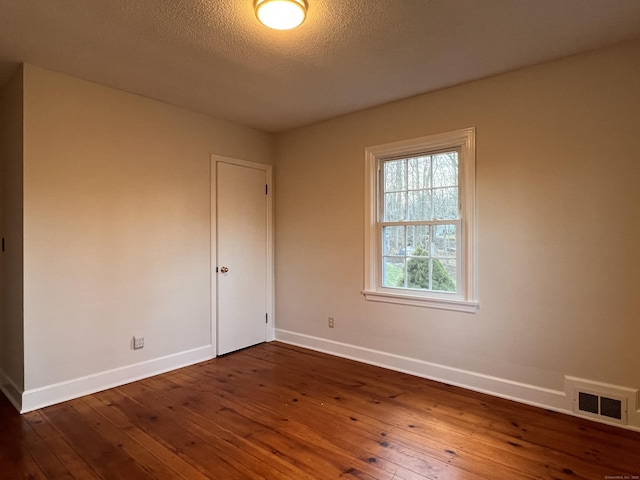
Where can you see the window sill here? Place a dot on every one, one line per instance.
(417, 301)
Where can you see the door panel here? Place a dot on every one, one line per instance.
(241, 203)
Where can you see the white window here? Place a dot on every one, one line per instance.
(420, 222)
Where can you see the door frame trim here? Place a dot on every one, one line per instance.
(268, 169)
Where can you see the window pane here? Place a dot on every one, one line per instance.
(395, 206)
(445, 169)
(393, 272)
(418, 273)
(444, 241)
(444, 275)
(418, 240)
(418, 172)
(393, 241)
(445, 203)
(395, 175)
(419, 205)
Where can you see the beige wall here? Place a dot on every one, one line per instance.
(11, 292)
(558, 163)
(116, 225)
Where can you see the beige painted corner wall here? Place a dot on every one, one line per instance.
(558, 196)
(116, 226)
(11, 291)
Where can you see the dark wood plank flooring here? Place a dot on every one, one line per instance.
(279, 412)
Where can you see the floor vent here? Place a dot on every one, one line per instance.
(604, 406)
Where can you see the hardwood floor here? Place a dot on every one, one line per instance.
(280, 412)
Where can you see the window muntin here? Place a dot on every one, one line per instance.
(420, 239)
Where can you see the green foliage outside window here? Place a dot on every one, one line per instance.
(418, 274)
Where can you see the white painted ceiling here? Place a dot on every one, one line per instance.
(212, 56)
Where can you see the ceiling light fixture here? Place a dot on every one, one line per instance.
(281, 14)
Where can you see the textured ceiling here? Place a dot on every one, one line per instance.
(212, 56)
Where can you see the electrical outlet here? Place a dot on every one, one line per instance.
(138, 343)
(331, 322)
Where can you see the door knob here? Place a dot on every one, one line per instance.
(224, 269)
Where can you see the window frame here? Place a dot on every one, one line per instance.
(465, 299)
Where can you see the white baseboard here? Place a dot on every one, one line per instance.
(499, 387)
(78, 387)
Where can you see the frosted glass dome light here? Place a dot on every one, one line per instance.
(281, 14)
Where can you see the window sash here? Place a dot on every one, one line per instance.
(459, 264)
(431, 188)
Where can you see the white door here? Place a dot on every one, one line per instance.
(241, 241)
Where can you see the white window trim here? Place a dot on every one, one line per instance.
(467, 299)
